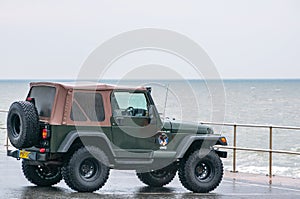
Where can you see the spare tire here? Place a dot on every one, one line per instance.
(23, 124)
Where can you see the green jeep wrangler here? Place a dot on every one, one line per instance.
(80, 132)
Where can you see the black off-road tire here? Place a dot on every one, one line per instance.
(23, 124)
(87, 169)
(201, 174)
(41, 175)
(158, 178)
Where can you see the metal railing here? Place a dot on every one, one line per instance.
(270, 149)
(234, 147)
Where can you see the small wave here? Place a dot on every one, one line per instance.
(277, 170)
(253, 169)
(297, 149)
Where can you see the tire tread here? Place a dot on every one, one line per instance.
(192, 184)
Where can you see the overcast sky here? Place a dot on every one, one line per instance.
(245, 39)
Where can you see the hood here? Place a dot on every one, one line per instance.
(175, 126)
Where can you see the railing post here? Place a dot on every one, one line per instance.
(270, 155)
(234, 150)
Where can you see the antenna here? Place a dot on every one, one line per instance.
(164, 114)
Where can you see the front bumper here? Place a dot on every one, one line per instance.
(222, 141)
(222, 154)
(35, 156)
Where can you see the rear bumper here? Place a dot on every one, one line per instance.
(35, 156)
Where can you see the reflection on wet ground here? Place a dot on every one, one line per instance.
(124, 184)
(142, 193)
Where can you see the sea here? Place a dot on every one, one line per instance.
(263, 102)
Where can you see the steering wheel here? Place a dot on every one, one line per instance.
(130, 110)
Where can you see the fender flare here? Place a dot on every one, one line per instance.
(73, 135)
(207, 143)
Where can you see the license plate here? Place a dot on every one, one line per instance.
(24, 154)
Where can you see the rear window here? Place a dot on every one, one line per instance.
(44, 99)
(87, 106)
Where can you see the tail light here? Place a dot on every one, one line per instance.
(44, 133)
(45, 141)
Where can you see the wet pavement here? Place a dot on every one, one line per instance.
(124, 184)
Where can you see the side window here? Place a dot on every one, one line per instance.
(87, 107)
(129, 104)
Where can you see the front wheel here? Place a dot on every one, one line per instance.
(87, 170)
(41, 175)
(201, 174)
(159, 177)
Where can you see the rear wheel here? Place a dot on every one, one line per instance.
(159, 177)
(87, 170)
(201, 174)
(23, 124)
(41, 175)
